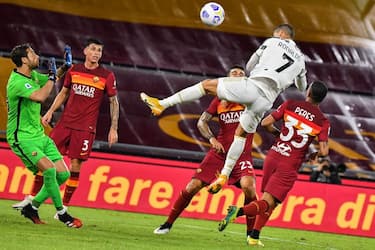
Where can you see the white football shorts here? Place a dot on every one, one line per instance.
(243, 90)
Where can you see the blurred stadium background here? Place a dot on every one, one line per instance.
(161, 46)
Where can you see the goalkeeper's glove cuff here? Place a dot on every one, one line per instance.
(52, 71)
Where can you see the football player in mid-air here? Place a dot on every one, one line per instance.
(302, 122)
(275, 65)
(243, 173)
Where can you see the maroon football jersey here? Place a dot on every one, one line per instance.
(229, 118)
(87, 88)
(302, 122)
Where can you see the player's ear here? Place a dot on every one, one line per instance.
(308, 90)
(24, 59)
(85, 50)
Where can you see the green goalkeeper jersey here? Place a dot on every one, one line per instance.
(23, 113)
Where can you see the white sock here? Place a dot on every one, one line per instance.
(62, 211)
(234, 153)
(185, 95)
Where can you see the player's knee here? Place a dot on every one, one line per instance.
(210, 86)
(61, 177)
(194, 186)
(240, 131)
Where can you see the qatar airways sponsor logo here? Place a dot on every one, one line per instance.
(282, 148)
(84, 90)
(230, 117)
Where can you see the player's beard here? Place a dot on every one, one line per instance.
(34, 65)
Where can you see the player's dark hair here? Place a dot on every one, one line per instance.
(94, 41)
(318, 91)
(18, 52)
(236, 66)
(286, 28)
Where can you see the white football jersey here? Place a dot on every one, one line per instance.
(280, 60)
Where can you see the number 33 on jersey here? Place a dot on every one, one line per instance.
(302, 123)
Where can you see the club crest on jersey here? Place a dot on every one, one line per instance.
(95, 79)
(282, 148)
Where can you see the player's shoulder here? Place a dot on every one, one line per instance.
(272, 40)
(104, 69)
(215, 102)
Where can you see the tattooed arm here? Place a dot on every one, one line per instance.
(206, 132)
(114, 112)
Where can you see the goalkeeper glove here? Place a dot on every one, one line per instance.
(67, 56)
(216, 186)
(52, 71)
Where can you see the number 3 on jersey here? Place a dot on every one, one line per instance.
(85, 145)
(294, 125)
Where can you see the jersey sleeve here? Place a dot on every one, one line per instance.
(324, 133)
(25, 89)
(40, 78)
(110, 85)
(212, 108)
(279, 112)
(262, 47)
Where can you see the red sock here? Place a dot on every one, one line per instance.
(70, 187)
(250, 220)
(179, 205)
(38, 183)
(255, 207)
(262, 219)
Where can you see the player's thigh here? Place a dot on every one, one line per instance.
(80, 144)
(32, 151)
(237, 89)
(210, 166)
(61, 166)
(194, 186)
(51, 150)
(61, 136)
(243, 167)
(252, 115)
(281, 181)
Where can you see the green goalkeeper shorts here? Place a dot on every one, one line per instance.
(31, 151)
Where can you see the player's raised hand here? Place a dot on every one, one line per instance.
(68, 56)
(52, 71)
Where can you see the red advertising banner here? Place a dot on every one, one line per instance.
(149, 185)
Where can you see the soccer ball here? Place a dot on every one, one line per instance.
(212, 14)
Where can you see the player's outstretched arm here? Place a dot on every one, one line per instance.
(57, 102)
(269, 124)
(41, 94)
(68, 60)
(250, 65)
(300, 81)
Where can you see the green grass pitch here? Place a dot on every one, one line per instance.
(106, 229)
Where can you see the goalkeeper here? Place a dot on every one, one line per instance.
(26, 90)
